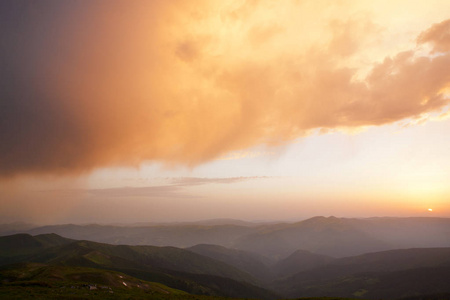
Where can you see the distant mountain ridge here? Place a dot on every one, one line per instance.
(330, 236)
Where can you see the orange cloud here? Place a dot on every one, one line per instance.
(438, 35)
(121, 83)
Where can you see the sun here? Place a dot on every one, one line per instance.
(430, 209)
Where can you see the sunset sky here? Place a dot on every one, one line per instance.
(170, 110)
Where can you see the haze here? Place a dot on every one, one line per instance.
(142, 111)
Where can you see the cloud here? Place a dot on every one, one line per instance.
(191, 181)
(438, 35)
(175, 188)
(150, 191)
(93, 85)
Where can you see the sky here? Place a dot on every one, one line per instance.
(152, 111)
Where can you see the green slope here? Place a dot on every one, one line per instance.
(217, 271)
(40, 281)
(168, 265)
(148, 257)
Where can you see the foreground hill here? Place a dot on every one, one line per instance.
(144, 257)
(40, 281)
(336, 237)
(178, 268)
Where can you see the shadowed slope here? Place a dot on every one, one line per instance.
(387, 274)
(252, 263)
(300, 260)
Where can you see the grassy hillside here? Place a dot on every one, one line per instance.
(141, 257)
(178, 268)
(40, 281)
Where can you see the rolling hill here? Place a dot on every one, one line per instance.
(41, 281)
(18, 247)
(176, 267)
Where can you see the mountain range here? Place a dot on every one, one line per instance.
(331, 236)
(376, 258)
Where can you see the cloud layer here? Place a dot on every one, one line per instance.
(174, 188)
(113, 83)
